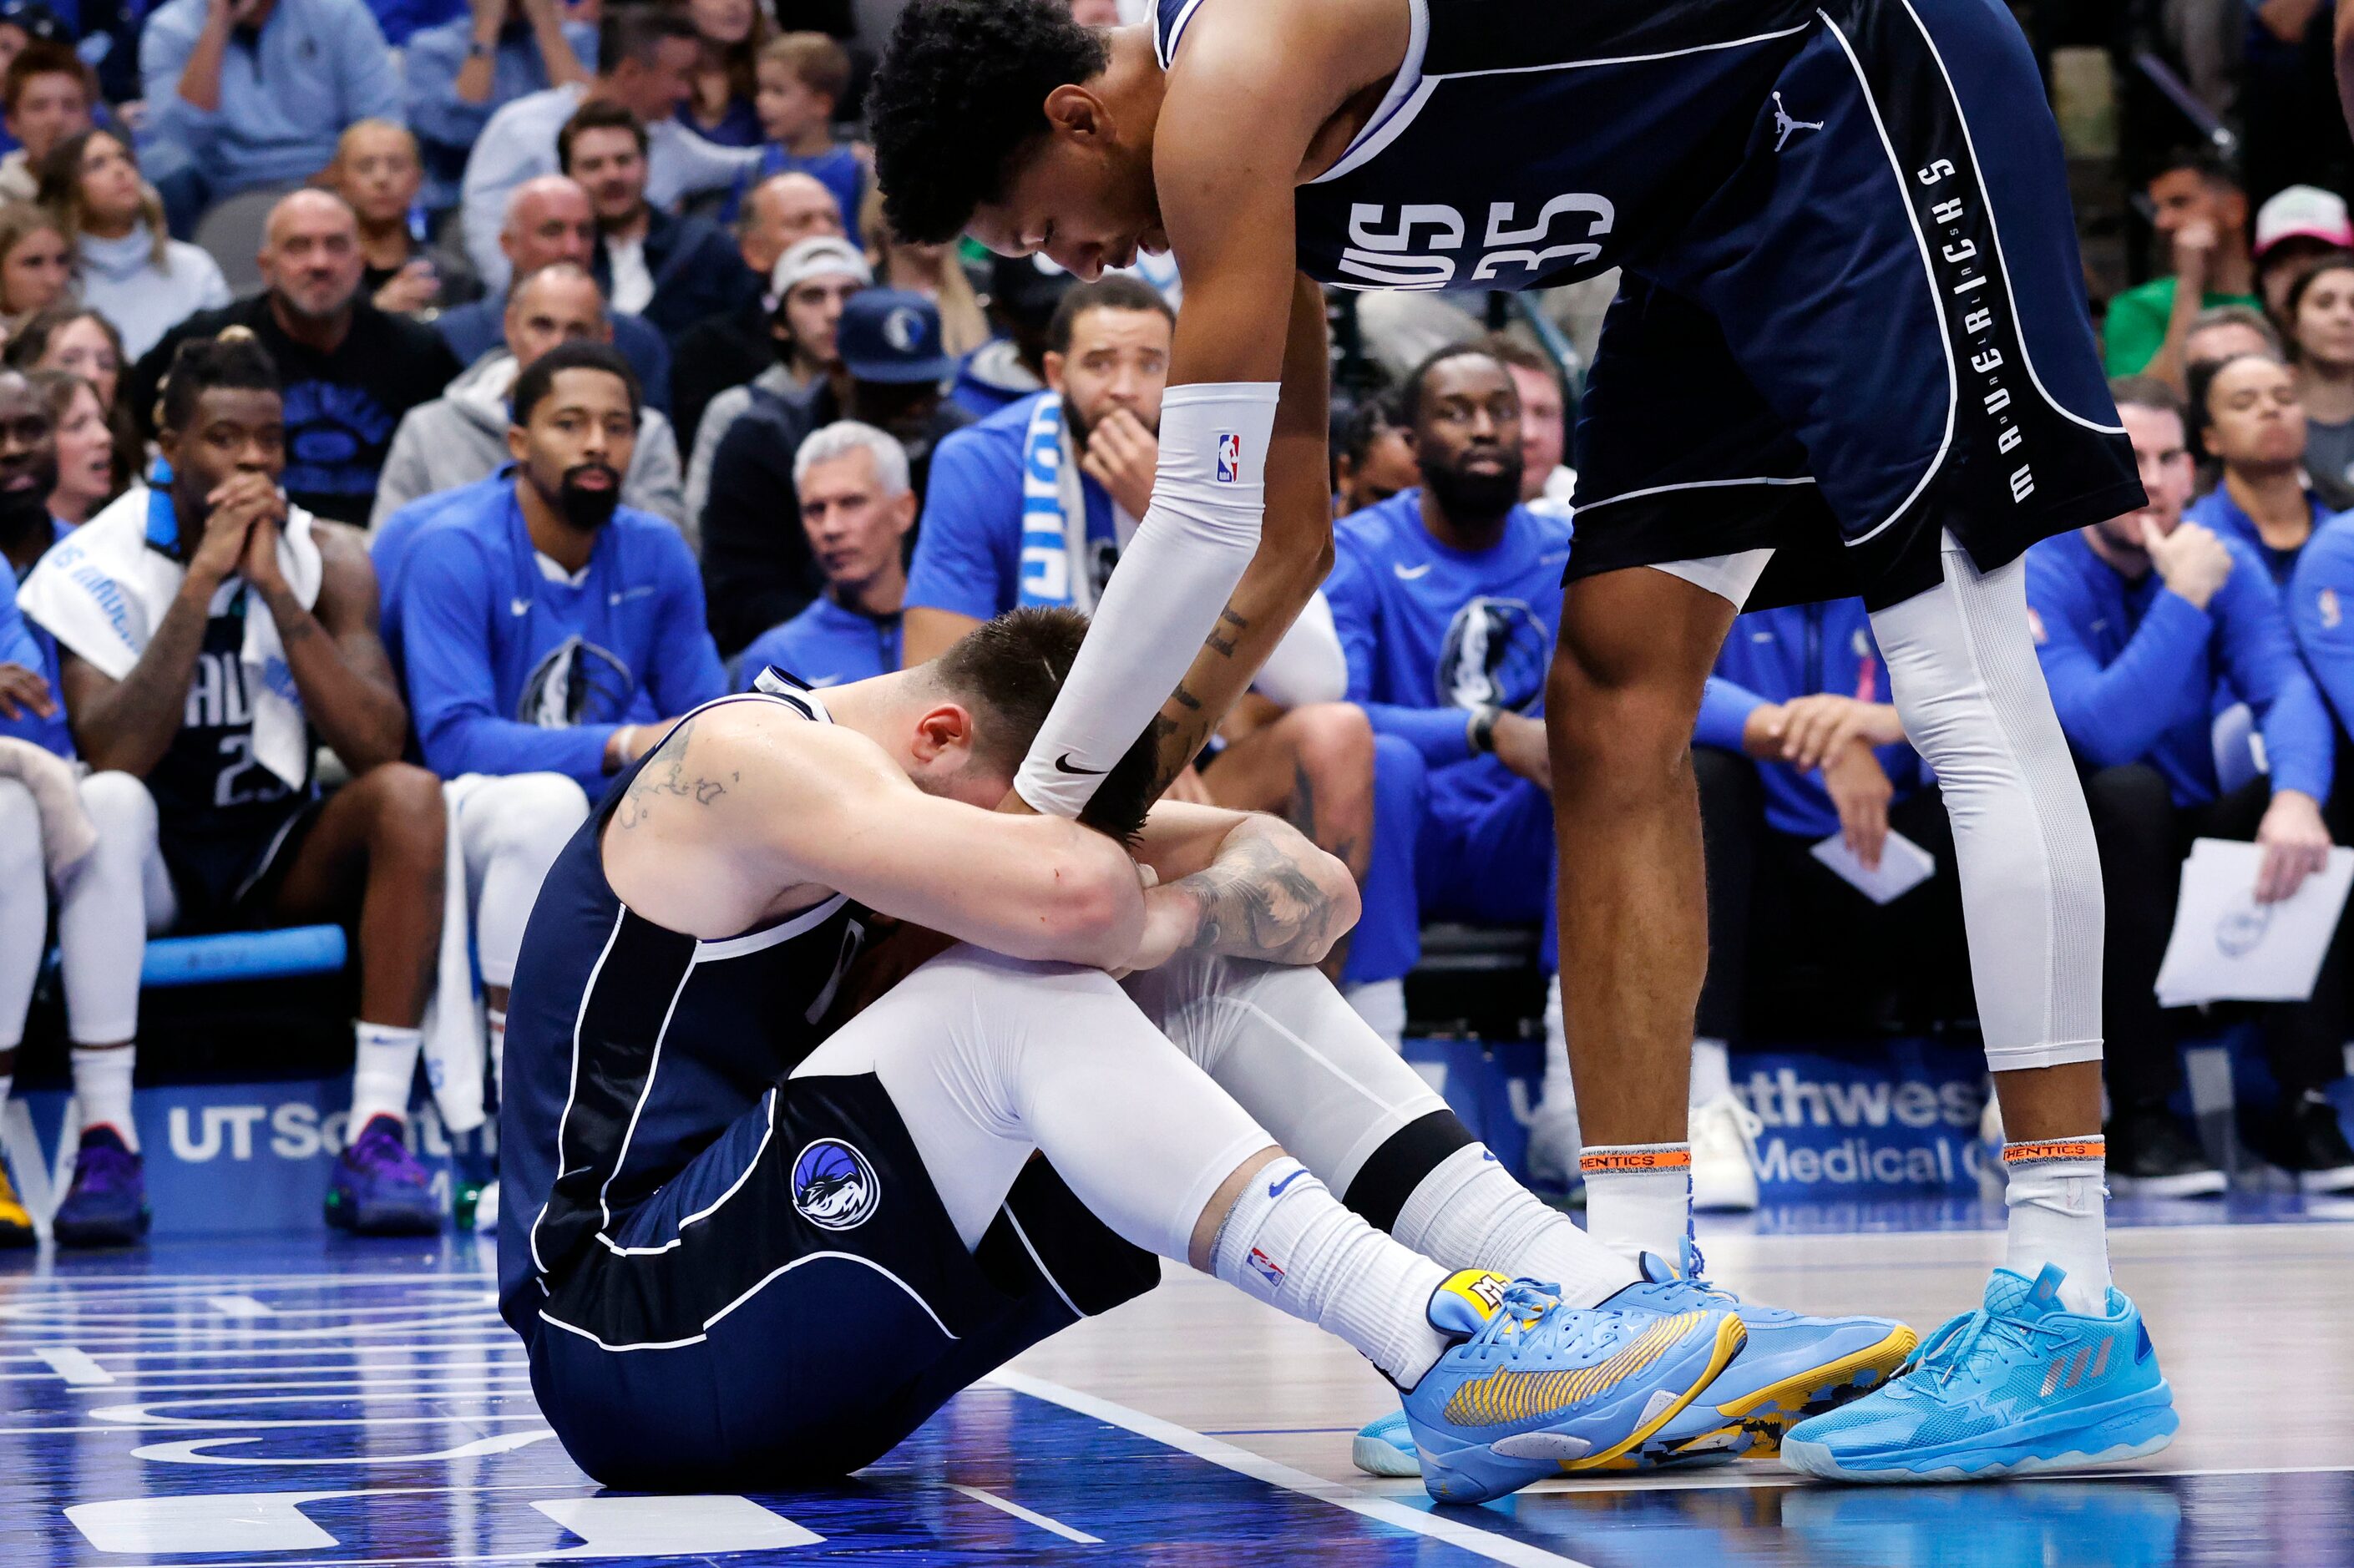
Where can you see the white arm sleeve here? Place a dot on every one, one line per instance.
(1209, 492)
(1308, 665)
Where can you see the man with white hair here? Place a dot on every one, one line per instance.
(856, 508)
(549, 220)
(461, 436)
(807, 287)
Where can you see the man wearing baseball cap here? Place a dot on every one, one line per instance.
(2295, 225)
(757, 566)
(731, 349)
(808, 286)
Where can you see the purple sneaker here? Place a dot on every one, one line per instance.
(380, 1188)
(107, 1205)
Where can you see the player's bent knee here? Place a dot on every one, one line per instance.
(407, 820)
(537, 813)
(1334, 739)
(122, 807)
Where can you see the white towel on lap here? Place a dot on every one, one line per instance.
(103, 589)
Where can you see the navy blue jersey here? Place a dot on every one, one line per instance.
(630, 1049)
(222, 815)
(1852, 317)
(1523, 145)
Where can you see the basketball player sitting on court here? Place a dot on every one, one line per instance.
(211, 635)
(1850, 353)
(742, 1249)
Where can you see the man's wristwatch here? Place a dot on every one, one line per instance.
(1481, 732)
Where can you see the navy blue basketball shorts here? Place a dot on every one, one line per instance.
(1874, 331)
(816, 1311)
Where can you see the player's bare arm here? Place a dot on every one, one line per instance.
(338, 661)
(1241, 884)
(746, 813)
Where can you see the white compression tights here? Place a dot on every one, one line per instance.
(119, 890)
(1963, 672)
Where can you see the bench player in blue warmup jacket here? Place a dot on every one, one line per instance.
(1850, 354)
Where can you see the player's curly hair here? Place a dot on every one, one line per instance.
(959, 93)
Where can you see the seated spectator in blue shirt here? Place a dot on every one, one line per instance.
(1798, 743)
(1011, 365)
(549, 220)
(857, 506)
(802, 79)
(2146, 626)
(544, 625)
(2252, 422)
(646, 59)
(462, 72)
(254, 92)
(672, 271)
(1447, 598)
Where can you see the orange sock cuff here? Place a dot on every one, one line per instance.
(2094, 1149)
(1632, 1157)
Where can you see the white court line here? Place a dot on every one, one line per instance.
(240, 1307)
(1005, 1505)
(1382, 1510)
(73, 1365)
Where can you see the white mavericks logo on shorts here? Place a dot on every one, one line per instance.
(833, 1186)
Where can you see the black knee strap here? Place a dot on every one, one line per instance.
(1400, 1165)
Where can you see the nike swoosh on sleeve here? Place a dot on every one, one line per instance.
(1406, 574)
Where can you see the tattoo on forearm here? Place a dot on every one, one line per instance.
(1257, 902)
(667, 773)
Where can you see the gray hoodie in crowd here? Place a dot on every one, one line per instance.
(461, 436)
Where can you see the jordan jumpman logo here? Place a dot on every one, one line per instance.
(1785, 127)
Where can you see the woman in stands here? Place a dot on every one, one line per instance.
(36, 261)
(80, 342)
(87, 474)
(2319, 312)
(144, 282)
(721, 109)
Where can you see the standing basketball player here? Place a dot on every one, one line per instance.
(1851, 353)
(740, 1248)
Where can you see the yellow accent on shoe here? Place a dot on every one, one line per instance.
(1505, 1395)
(1731, 1335)
(1771, 1410)
(1482, 1290)
(16, 1224)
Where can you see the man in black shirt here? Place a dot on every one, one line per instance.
(349, 370)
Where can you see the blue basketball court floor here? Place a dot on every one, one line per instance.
(300, 1404)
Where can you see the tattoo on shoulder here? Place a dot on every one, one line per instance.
(667, 773)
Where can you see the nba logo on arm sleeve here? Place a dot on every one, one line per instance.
(1230, 457)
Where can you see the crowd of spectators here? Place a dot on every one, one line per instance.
(454, 393)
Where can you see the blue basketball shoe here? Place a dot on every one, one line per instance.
(107, 1204)
(1536, 1388)
(1792, 1366)
(378, 1188)
(2020, 1384)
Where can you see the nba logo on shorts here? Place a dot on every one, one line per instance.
(1230, 457)
(833, 1187)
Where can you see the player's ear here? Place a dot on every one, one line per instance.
(944, 727)
(518, 442)
(1072, 110)
(1051, 363)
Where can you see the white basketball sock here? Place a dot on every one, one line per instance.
(1288, 1243)
(102, 1085)
(385, 1063)
(1468, 1213)
(2059, 1214)
(1638, 1197)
